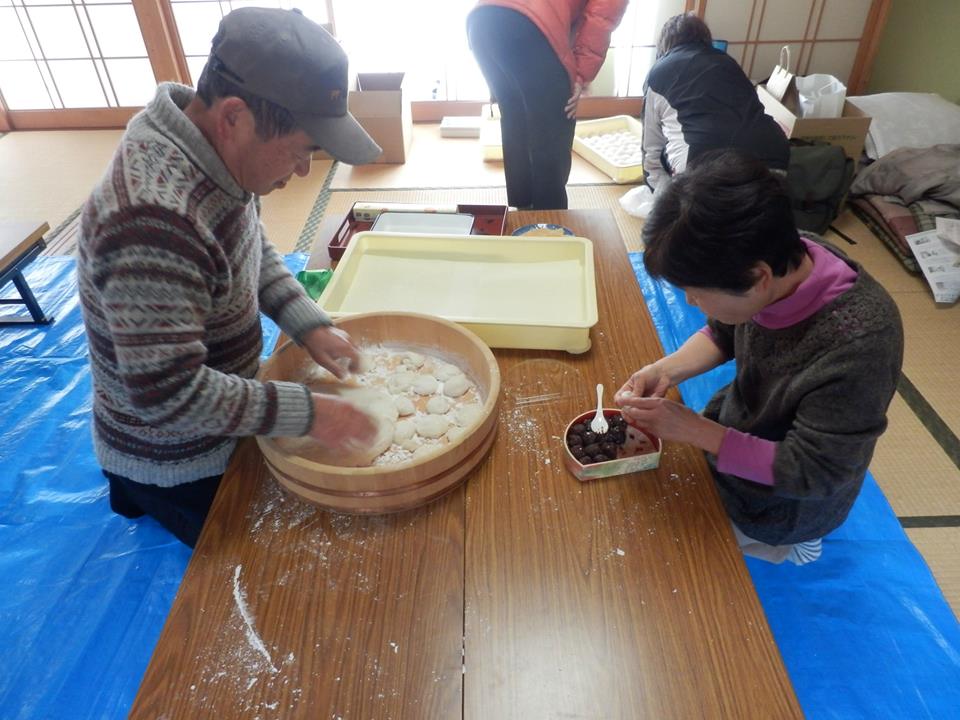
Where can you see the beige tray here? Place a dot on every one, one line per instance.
(619, 172)
(514, 292)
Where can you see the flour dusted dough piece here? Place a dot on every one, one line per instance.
(401, 382)
(404, 430)
(468, 414)
(410, 445)
(425, 385)
(405, 405)
(444, 371)
(382, 411)
(456, 386)
(414, 360)
(431, 426)
(426, 451)
(455, 433)
(438, 405)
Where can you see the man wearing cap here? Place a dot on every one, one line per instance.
(174, 268)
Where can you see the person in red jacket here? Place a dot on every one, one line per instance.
(537, 57)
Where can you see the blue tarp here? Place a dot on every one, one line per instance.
(85, 592)
(865, 631)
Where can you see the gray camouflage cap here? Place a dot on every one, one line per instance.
(286, 58)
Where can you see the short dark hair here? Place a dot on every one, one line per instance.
(712, 224)
(270, 120)
(682, 29)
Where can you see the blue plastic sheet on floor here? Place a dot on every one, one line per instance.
(865, 631)
(85, 592)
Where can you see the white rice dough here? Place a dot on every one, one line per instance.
(468, 414)
(378, 405)
(405, 405)
(410, 445)
(401, 381)
(444, 371)
(425, 385)
(404, 430)
(414, 360)
(438, 405)
(432, 426)
(456, 386)
(455, 433)
(425, 451)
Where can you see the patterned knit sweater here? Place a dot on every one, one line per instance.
(174, 269)
(820, 388)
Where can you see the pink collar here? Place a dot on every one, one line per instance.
(829, 279)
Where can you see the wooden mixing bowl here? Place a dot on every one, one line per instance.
(390, 488)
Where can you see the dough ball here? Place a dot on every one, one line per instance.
(431, 426)
(410, 445)
(438, 405)
(404, 430)
(425, 451)
(444, 371)
(469, 414)
(456, 386)
(379, 406)
(412, 359)
(425, 385)
(316, 375)
(405, 405)
(364, 364)
(455, 433)
(401, 381)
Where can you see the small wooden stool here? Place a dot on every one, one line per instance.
(20, 243)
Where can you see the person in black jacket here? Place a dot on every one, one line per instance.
(696, 99)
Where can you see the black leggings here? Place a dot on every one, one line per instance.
(531, 87)
(181, 509)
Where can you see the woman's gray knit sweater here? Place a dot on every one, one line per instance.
(820, 388)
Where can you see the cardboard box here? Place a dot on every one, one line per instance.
(848, 131)
(381, 105)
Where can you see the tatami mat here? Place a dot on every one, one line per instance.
(47, 175)
(940, 547)
(285, 212)
(912, 470)
(444, 163)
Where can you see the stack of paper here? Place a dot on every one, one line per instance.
(938, 254)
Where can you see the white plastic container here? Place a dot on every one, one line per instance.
(620, 157)
(514, 292)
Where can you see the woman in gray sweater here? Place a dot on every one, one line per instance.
(818, 346)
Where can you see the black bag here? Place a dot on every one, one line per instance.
(818, 178)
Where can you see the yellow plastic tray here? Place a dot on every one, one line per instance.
(618, 123)
(514, 292)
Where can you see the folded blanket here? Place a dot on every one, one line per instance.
(914, 174)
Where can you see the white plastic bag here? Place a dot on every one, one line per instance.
(638, 201)
(821, 96)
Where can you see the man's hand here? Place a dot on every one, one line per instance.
(340, 424)
(333, 349)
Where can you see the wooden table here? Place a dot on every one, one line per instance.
(522, 594)
(20, 243)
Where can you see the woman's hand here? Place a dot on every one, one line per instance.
(648, 381)
(340, 424)
(671, 420)
(571, 107)
(333, 349)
